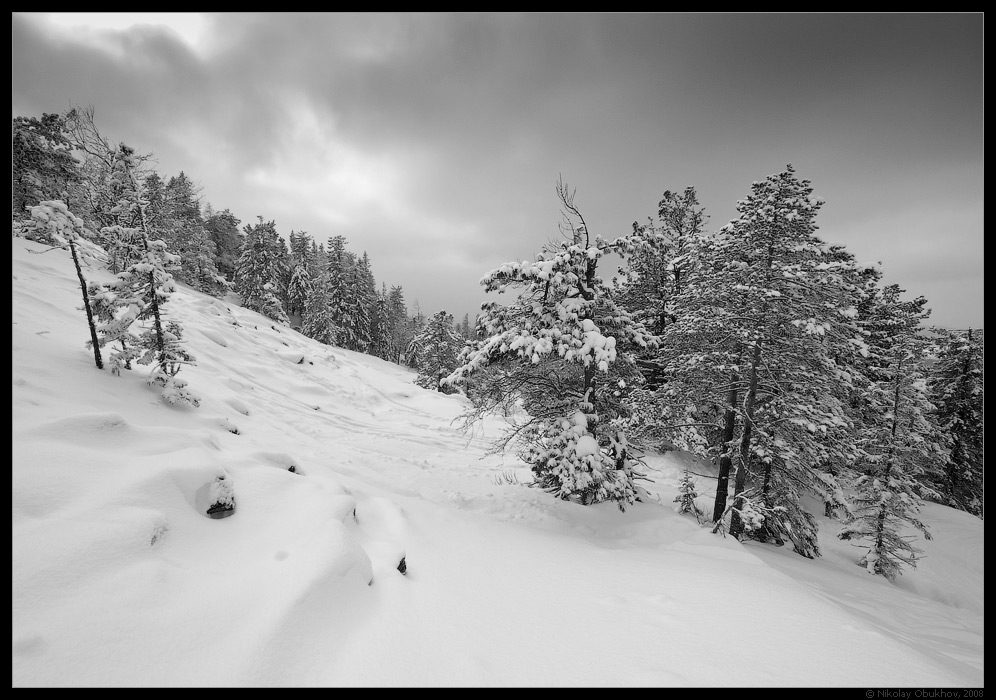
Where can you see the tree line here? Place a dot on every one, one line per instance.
(72, 187)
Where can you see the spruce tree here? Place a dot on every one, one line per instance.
(380, 326)
(899, 444)
(299, 290)
(440, 345)
(175, 217)
(956, 389)
(687, 495)
(656, 269)
(751, 360)
(342, 294)
(356, 318)
(414, 325)
(259, 269)
(100, 190)
(299, 286)
(565, 324)
(42, 164)
(318, 321)
(222, 229)
(140, 293)
(397, 324)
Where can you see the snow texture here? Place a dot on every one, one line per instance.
(119, 580)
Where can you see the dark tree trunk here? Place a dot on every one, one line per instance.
(736, 522)
(725, 462)
(86, 305)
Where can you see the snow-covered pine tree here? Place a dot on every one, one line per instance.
(397, 324)
(899, 445)
(687, 495)
(366, 294)
(751, 354)
(299, 287)
(466, 330)
(174, 215)
(358, 306)
(114, 320)
(440, 346)
(170, 360)
(258, 270)
(956, 389)
(344, 304)
(414, 325)
(197, 263)
(565, 327)
(282, 270)
(42, 164)
(380, 327)
(100, 189)
(271, 306)
(657, 267)
(140, 292)
(318, 261)
(51, 221)
(318, 322)
(223, 231)
(300, 246)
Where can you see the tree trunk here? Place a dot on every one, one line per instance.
(86, 304)
(725, 462)
(157, 319)
(736, 522)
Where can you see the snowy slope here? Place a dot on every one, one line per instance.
(340, 466)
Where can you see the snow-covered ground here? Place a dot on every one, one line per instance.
(340, 466)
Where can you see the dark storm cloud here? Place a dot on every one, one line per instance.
(435, 140)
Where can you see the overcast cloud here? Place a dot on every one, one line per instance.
(434, 141)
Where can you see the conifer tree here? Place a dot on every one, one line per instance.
(439, 345)
(956, 389)
(175, 216)
(656, 269)
(342, 302)
(397, 324)
(42, 164)
(140, 292)
(366, 303)
(566, 325)
(687, 495)
(414, 325)
(318, 261)
(299, 285)
(898, 442)
(259, 269)
(761, 317)
(380, 326)
(300, 246)
(355, 320)
(466, 330)
(114, 321)
(318, 322)
(271, 306)
(299, 290)
(222, 229)
(100, 189)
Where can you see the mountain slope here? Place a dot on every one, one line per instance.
(340, 467)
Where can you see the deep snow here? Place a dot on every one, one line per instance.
(120, 579)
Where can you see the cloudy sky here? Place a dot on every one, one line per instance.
(434, 142)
